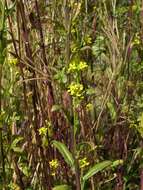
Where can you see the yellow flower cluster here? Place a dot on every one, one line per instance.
(136, 40)
(76, 89)
(83, 162)
(76, 66)
(54, 164)
(43, 131)
(87, 40)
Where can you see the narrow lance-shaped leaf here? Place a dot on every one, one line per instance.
(64, 152)
(96, 168)
(101, 166)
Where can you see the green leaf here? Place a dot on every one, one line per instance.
(25, 169)
(62, 187)
(98, 46)
(16, 141)
(96, 168)
(116, 163)
(90, 91)
(112, 110)
(17, 149)
(64, 152)
(14, 146)
(61, 76)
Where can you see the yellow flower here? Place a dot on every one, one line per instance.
(82, 65)
(136, 40)
(43, 131)
(87, 40)
(83, 162)
(76, 89)
(72, 66)
(54, 164)
(76, 66)
(13, 61)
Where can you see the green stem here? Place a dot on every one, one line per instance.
(77, 170)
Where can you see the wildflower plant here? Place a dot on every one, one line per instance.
(76, 89)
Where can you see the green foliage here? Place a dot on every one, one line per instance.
(65, 153)
(71, 94)
(14, 145)
(98, 47)
(61, 76)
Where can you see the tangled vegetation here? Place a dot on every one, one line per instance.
(71, 95)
